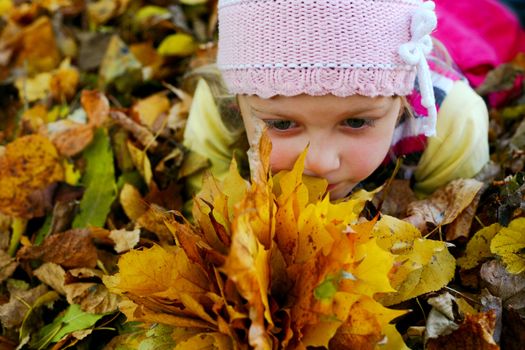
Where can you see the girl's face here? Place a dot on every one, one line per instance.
(348, 137)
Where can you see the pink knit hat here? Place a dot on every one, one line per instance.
(319, 47)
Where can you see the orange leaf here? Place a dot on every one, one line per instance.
(30, 163)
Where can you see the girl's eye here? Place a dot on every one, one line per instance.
(356, 123)
(280, 124)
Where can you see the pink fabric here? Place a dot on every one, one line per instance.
(342, 47)
(479, 34)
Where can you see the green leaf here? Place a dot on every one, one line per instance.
(326, 289)
(74, 319)
(99, 180)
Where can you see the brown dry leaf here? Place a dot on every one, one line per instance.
(132, 202)
(460, 227)
(446, 204)
(154, 220)
(149, 110)
(474, 333)
(96, 106)
(73, 248)
(509, 287)
(39, 49)
(7, 266)
(12, 313)
(69, 137)
(92, 297)
(398, 196)
(53, 275)
(30, 163)
(141, 133)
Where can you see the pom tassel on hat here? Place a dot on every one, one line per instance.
(424, 21)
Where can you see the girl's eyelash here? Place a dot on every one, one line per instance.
(365, 122)
(280, 124)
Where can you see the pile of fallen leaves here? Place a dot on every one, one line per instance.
(95, 253)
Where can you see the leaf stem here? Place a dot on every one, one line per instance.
(18, 226)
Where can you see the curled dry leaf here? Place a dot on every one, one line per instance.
(69, 137)
(141, 133)
(29, 163)
(446, 204)
(474, 333)
(96, 106)
(73, 248)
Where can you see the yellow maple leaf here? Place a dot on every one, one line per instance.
(509, 243)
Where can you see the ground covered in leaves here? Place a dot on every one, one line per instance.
(95, 253)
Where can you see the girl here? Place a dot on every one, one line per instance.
(359, 81)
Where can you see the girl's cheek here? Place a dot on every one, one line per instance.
(284, 154)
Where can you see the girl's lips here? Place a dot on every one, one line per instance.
(331, 187)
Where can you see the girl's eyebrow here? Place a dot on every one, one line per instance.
(346, 113)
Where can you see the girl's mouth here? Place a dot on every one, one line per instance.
(331, 187)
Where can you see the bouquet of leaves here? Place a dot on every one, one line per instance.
(273, 264)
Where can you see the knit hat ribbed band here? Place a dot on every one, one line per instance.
(319, 47)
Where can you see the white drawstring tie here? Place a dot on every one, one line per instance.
(414, 52)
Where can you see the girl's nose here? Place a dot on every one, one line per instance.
(322, 158)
